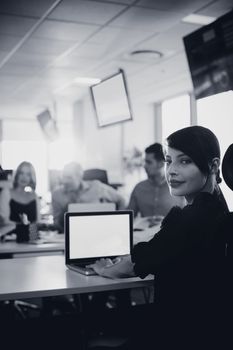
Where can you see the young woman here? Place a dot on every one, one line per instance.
(23, 203)
(187, 255)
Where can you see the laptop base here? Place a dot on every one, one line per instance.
(87, 271)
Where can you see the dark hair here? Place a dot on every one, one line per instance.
(199, 143)
(157, 150)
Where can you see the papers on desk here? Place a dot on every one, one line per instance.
(38, 241)
(48, 237)
(145, 235)
(44, 241)
(44, 237)
(144, 230)
(147, 222)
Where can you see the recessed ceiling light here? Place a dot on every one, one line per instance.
(198, 19)
(144, 55)
(86, 81)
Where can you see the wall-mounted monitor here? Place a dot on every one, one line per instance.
(48, 125)
(210, 56)
(111, 100)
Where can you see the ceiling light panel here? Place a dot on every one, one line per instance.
(182, 6)
(198, 19)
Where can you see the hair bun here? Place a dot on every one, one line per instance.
(218, 177)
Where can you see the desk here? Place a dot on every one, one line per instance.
(6, 228)
(56, 244)
(48, 276)
(144, 235)
(12, 249)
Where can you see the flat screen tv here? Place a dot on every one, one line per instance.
(209, 52)
(48, 125)
(111, 100)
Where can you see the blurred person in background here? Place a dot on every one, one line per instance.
(21, 204)
(24, 202)
(151, 197)
(76, 190)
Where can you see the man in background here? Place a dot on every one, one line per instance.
(151, 197)
(76, 190)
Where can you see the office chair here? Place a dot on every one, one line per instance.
(18, 309)
(227, 172)
(96, 174)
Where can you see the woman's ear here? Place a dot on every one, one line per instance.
(215, 165)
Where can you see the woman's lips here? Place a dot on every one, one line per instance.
(175, 184)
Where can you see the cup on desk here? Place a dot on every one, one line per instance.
(33, 231)
(22, 233)
(26, 233)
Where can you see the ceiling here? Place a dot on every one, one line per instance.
(45, 44)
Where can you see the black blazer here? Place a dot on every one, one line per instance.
(187, 257)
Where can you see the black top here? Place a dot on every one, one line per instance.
(186, 256)
(17, 208)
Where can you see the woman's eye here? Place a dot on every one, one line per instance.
(167, 161)
(185, 161)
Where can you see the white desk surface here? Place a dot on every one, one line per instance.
(48, 276)
(12, 247)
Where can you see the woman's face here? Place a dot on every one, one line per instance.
(183, 176)
(24, 177)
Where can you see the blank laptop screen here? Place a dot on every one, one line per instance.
(99, 235)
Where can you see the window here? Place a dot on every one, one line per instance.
(60, 153)
(175, 114)
(35, 152)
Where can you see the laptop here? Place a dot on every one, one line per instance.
(90, 236)
(99, 206)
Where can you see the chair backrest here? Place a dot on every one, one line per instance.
(82, 207)
(227, 172)
(96, 174)
(227, 167)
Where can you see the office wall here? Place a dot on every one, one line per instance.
(24, 140)
(141, 131)
(101, 147)
(105, 147)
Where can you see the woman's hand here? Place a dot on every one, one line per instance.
(24, 219)
(120, 267)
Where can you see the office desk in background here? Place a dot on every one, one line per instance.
(143, 232)
(52, 245)
(48, 276)
(55, 244)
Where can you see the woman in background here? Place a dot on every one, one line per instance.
(24, 202)
(187, 255)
